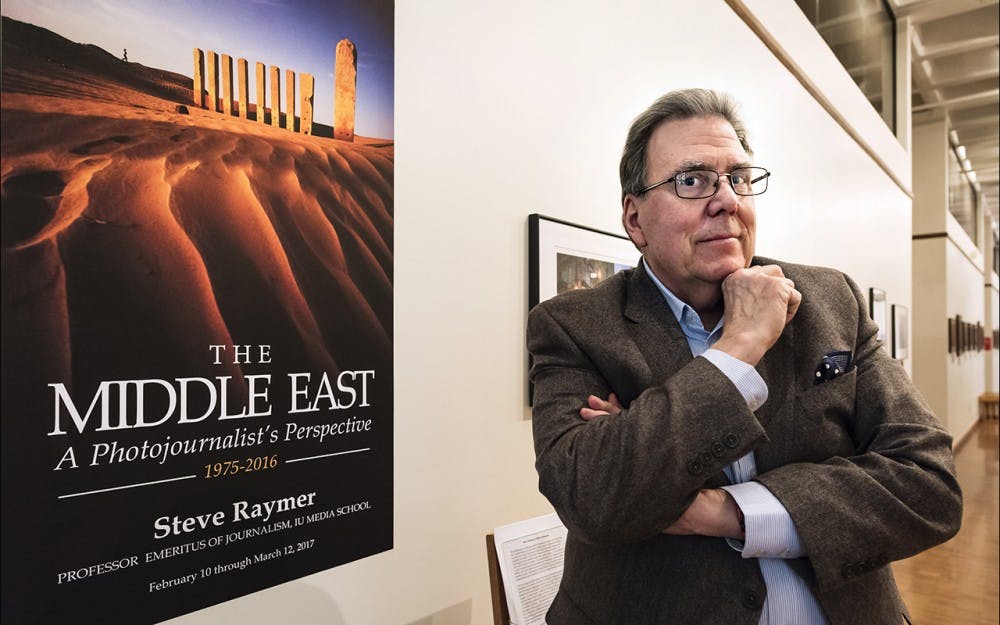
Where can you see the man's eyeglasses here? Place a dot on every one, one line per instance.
(696, 184)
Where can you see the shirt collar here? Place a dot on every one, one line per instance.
(685, 315)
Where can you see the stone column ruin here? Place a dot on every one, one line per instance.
(261, 86)
(307, 87)
(275, 75)
(244, 81)
(290, 100)
(345, 92)
(206, 94)
(212, 65)
(227, 84)
(199, 78)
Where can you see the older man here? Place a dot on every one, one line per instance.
(722, 434)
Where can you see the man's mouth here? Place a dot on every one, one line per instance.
(720, 237)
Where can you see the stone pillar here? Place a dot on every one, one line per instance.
(227, 84)
(212, 65)
(275, 76)
(243, 79)
(261, 90)
(345, 92)
(290, 100)
(199, 78)
(307, 88)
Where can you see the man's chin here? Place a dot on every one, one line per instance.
(718, 271)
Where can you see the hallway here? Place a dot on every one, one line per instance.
(957, 583)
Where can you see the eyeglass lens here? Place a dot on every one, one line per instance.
(701, 183)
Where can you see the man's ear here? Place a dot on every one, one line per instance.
(630, 220)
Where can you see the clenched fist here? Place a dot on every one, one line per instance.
(759, 303)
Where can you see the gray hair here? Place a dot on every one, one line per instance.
(680, 104)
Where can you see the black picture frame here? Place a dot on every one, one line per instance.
(550, 238)
(878, 311)
(900, 332)
(959, 335)
(562, 254)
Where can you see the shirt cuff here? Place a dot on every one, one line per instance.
(744, 377)
(770, 532)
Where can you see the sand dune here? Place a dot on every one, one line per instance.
(130, 228)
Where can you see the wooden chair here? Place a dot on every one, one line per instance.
(501, 616)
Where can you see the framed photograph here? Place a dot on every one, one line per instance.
(564, 256)
(900, 332)
(877, 310)
(959, 335)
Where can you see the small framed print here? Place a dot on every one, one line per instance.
(877, 311)
(564, 256)
(952, 344)
(959, 335)
(900, 332)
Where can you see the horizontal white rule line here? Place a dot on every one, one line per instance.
(104, 490)
(339, 453)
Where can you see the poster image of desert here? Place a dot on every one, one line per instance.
(197, 266)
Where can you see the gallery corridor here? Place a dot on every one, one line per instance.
(956, 583)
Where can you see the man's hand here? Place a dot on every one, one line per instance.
(712, 513)
(759, 303)
(597, 407)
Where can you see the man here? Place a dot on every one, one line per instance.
(723, 435)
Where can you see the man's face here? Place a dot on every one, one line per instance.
(692, 244)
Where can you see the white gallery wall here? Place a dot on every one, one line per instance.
(948, 280)
(507, 109)
(966, 372)
(992, 301)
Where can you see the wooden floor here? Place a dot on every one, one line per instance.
(957, 583)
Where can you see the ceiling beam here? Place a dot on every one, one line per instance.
(967, 77)
(965, 101)
(957, 47)
(921, 71)
(966, 128)
(984, 143)
(921, 11)
(974, 119)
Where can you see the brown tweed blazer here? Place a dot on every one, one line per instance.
(863, 467)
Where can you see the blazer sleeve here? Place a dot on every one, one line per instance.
(896, 496)
(625, 478)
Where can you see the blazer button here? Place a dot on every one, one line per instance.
(706, 458)
(694, 467)
(718, 449)
(731, 440)
(751, 599)
(848, 571)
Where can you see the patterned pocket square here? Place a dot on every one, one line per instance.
(831, 366)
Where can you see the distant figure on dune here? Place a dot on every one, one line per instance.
(125, 55)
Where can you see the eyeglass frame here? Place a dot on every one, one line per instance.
(718, 181)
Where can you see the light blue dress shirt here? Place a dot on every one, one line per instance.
(770, 533)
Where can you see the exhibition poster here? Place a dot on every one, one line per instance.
(197, 299)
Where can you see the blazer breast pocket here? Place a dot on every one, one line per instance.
(824, 417)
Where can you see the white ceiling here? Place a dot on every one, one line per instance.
(956, 75)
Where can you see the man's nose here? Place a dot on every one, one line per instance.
(725, 198)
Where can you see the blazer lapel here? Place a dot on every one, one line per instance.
(777, 368)
(653, 330)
